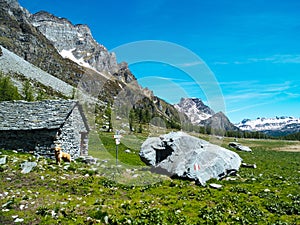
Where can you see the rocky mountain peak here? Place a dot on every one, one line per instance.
(219, 121)
(195, 109)
(76, 43)
(13, 8)
(11, 3)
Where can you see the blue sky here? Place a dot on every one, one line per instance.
(251, 47)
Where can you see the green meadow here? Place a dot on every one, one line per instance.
(126, 192)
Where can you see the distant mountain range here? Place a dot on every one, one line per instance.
(278, 126)
(200, 114)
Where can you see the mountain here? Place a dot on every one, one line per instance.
(20, 37)
(194, 109)
(79, 45)
(219, 121)
(200, 114)
(278, 126)
(69, 53)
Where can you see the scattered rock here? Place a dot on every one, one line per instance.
(66, 167)
(239, 147)
(230, 178)
(3, 160)
(88, 159)
(249, 165)
(18, 220)
(267, 190)
(27, 166)
(179, 154)
(7, 204)
(127, 151)
(215, 186)
(106, 220)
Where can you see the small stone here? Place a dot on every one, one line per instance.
(106, 219)
(15, 216)
(7, 203)
(230, 178)
(216, 186)
(42, 178)
(22, 207)
(53, 214)
(66, 167)
(18, 220)
(127, 151)
(3, 160)
(27, 167)
(267, 190)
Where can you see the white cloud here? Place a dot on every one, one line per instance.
(248, 91)
(189, 64)
(275, 59)
(286, 58)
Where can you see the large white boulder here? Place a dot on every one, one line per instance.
(182, 155)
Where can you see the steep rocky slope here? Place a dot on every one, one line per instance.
(20, 37)
(75, 59)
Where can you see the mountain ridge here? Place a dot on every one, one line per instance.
(202, 115)
(278, 126)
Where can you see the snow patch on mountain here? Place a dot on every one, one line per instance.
(267, 124)
(195, 109)
(69, 55)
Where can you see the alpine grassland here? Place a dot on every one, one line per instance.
(124, 191)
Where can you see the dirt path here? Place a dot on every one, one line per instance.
(289, 148)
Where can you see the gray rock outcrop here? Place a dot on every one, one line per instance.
(75, 40)
(179, 154)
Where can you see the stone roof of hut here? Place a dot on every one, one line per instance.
(22, 115)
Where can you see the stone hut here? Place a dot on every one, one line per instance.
(39, 126)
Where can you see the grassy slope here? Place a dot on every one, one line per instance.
(81, 194)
